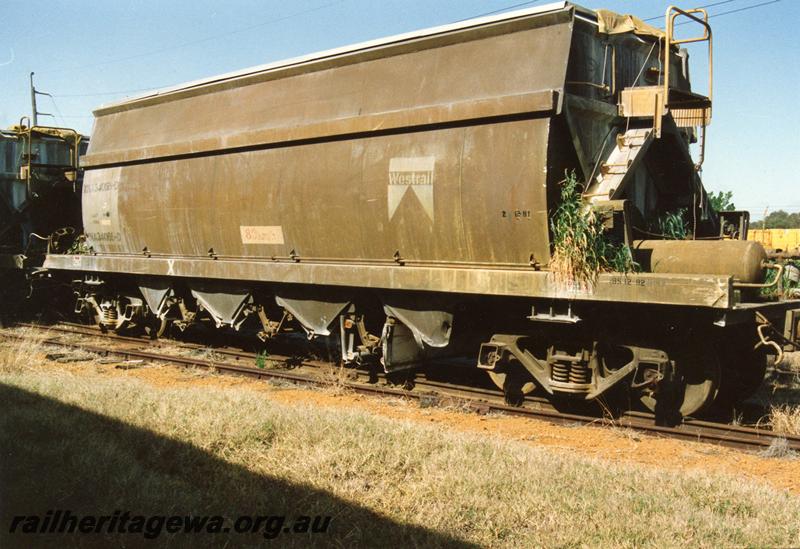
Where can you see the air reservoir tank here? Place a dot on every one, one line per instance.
(738, 258)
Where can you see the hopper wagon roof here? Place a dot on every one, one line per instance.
(608, 22)
(242, 109)
(340, 52)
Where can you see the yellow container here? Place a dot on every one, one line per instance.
(784, 240)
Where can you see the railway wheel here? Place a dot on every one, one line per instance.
(514, 381)
(689, 384)
(750, 378)
(743, 368)
(155, 327)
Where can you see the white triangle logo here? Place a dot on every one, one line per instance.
(415, 173)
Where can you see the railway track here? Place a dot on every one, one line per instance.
(428, 392)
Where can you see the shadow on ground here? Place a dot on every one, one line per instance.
(47, 464)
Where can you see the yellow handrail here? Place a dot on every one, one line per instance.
(26, 134)
(673, 13)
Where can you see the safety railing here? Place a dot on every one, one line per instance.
(691, 113)
(672, 14)
(26, 134)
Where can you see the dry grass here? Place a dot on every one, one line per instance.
(336, 378)
(206, 354)
(97, 444)
(791, 362)
(781, 394)
(779, 448)
(19, 349)
(785, 419)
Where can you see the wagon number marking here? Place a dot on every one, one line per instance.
(627, 281)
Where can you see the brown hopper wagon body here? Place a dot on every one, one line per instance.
(405, 188)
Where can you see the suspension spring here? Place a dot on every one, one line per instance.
(568, 368)
(560, 372)
(108, 315)
(580, 373)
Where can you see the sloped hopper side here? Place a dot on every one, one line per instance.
(429, 327)
(224, 305)
(414, 331)
(156, 292)
(314, 308)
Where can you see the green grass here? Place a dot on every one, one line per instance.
(95, 444)
(787, 288)
(261, 359)
(671, 225)
(582, 248)
(79, 245)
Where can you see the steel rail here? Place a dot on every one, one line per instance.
(428, 393)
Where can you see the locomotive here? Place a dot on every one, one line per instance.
(402, 196)
(39, 200)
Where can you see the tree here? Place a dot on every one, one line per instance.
(721, 201)
(779, 220)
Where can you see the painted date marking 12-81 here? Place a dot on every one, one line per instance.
(516, 214)
(627, 281)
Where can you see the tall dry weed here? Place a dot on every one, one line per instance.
(20, 348)
(337, 378)
(785, 419)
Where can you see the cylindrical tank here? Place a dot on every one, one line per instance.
(741, 259)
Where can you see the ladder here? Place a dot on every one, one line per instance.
(620, 165)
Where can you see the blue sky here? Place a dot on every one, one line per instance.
(87, 53)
